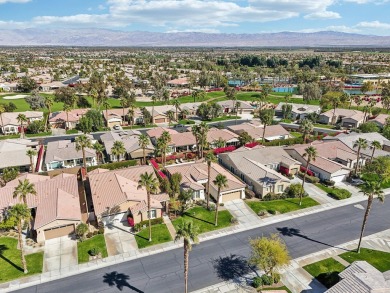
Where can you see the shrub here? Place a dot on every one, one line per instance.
(190, 156)
(212, 207)
(153, 221)
(266, 280)
(233, 221)
(221, 204)
(257, 282)
(101, 228)
(262, 213)
(94, 251)
(114, 165)
(273, 196)
(276, 278)
(81, 229)
(312, 179)
(294, 190)
(249, 193)
(339, 193)
(271, 211)
(289, 141)
(89, 235)
(329, 182)
(95, 233)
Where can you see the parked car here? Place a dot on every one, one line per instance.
(357, 182)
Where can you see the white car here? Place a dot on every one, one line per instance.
(117, 127)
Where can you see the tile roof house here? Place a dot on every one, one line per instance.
(115, 116)
(156, 132)
(13, 153)
(194, 176)
(63, 154)
(65, 120)
(299, 111)
(227, 106)
(130, 140)
(334, 159)
(361, 277)
(380, 120)
(158, 113)
(346, 117)
(255, 130)
(10, 123)
(214, 134)
(258, 167)
(56, 205)
(116, 195)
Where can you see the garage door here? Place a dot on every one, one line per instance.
(112, 219)
(59, 231)
(338, 178)
(231, 196)
(159, 120)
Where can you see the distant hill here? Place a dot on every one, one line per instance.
(103, 37)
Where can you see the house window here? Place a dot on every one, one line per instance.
(280, 188)
(197, 194)
(153, 214)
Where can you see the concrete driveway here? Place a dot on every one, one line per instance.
(119, 239)
(241, 212)
(60, 254)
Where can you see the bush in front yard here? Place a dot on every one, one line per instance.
(273, 196)
(339, 193)
(310, 179)
(329, 182)
(249, 193)
(257, 282)
(294, 191)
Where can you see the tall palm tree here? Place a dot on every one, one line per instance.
(106, 105)
(143, 141)
(48, 104)
(99, 149)
(21, 213)
(196, 133)
(266, 117)
(83, 142)
(31, 154)
(306, 127)
(375, 145)
(21, 119)
(371, 189)
(124, 103)
(118, 149)
(170, 115)
(176, 104)
(360, 144)
(130, 115)
(189, 232)
(166, 139)
(23, 189)
(154, 99)
(151, 185)
(210, 158)
(310, 154)
(221, 182)
(67, 108)
(2, 110)
(238, 105)
(204, 129)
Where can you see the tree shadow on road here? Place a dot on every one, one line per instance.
(232, 267)
(119, 280)
(291, 232)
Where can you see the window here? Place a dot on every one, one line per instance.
(280, 188)
(153, 214)
(197, 194)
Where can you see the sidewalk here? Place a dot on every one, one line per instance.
(171, 229)
(131, 255)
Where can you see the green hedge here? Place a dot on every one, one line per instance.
(340, 193)
(114, 165)
(155, 221)
(288, 141)
(310, 179)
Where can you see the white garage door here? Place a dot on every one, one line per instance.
(339, 178)
(114, 218)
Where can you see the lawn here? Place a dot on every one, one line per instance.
(222, 118)
(378, 259)
(160, 234)
(326, 271)
(10, 264)
(334, 192)
(319, 125)
(274, 289)
(204, 219)
(296, 134)
(186, 121)
(94, 242)
(281, 205)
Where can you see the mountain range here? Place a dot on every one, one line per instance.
(111, 38)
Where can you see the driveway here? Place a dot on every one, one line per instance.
(60, 254)
(119, 239)
(241, 212)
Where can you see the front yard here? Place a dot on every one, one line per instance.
(204, 219)
(281, 205)
(160, 234)
(325, 271)
(378, 259)
(96, 242)
(335, 192)
(10, 263)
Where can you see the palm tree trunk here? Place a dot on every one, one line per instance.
(144, 156)
(31, 164)
(186, 257)
(123, 120)
(369, 204)
(150, 220)
(357, 160)
(303, 183)
(208, 185)
(265, 125)
(84, 160)
(67, 121)
(372, 154)
(107, 116)
(47, 120)
(217, 206)
(21, 247)
(2, 123)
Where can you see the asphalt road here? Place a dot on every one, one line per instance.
(223, 258)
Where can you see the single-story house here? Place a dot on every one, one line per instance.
(115, 117)
(130, 141)
(334, 159)
(346, 117)
(182, 142)
(13, 153)
(11, 124)
(194, 176)
(158, 113)
(272, 132)
(156, 132)
(190, 107)
(258, 167)
(116, 196)
(178, 82)
(380, 120)
(66, 120)
(298, 111)
(215, 134)
(63, 154)
(56, 205)
(244, 108)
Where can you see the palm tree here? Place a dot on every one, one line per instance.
(106, 105)
(83, 142)
(124, 103)
(375, 145)
(2, 110)
(130, 115)
(266, 116)
(196, 133)
(151, 185)
(306, 127)
(48, 104)
(31, 153)
(143, 141)
(221, 182)
(371, 189)
(99, 149)
(118, 149)
(210, 158)
(67, 108)
(238, 105)
(310, 154)
(176, 104)
(154, 99)
(170, 115)
(195, 95)
(21, 213)
(21, 119)
(203, 130)
(361, 143)
(166, 139)
(23, 189)
(189, 232)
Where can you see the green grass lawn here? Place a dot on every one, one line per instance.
(336, 193)
(378, 259)
(296, 134)
(282, 205)
(186, 121)
(160, 234)
(204, 219)
(323, 125)
(326, 271)
(94, 242)
(10, 263)
(222, 118)
(275, 288)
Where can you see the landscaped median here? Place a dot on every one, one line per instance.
(335, 192)
(10, 263)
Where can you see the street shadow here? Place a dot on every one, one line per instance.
(199, 219)
(4, 248)
(232, 267)
(119, 280)
(291, 232)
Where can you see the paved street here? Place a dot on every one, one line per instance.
(223, 258)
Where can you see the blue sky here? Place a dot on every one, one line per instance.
(227, 16)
